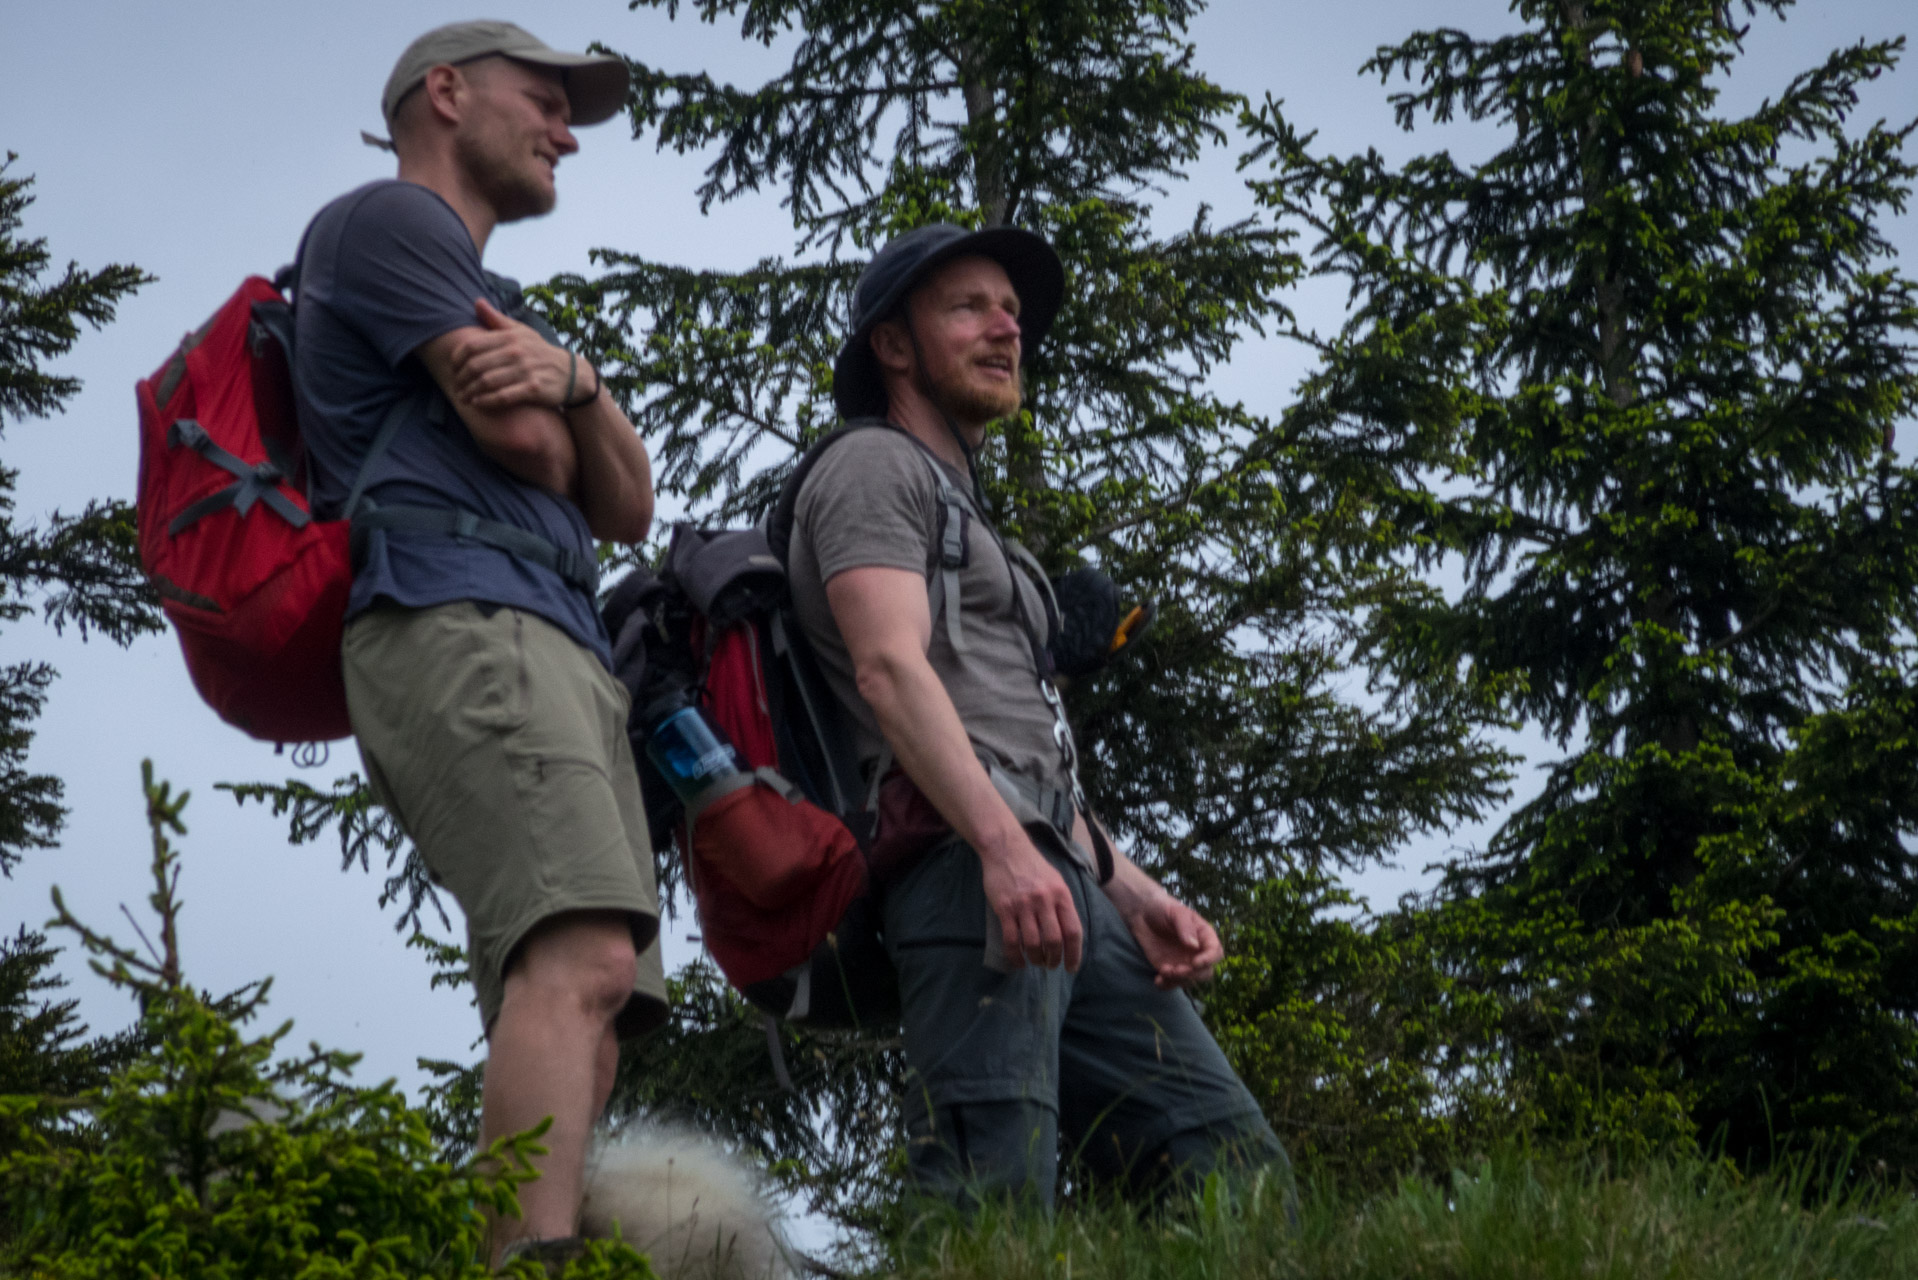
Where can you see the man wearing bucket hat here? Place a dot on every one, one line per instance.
(1041, 973)
(477, 670)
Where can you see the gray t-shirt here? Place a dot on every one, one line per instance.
(386, 269)
(871, 500)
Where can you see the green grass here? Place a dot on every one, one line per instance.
(1512, 1218)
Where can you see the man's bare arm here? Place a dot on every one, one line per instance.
(615, 473)
(886, 622)
(1181, 944)
(506, 364)
(530, 440)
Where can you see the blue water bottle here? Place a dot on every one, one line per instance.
(688, 751)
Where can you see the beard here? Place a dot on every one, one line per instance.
(514, 190)
(966, 402)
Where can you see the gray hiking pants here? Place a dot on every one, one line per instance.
(1002, 1065)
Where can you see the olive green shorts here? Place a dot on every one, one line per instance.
(500, 746)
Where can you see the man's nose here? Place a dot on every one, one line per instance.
(1005, 324)
(564, 140)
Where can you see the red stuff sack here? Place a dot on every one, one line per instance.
(255, 587)
(773, 873)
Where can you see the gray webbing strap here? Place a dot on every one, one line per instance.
(577, 570)
(953, 552)
(253, 483)
(801, 974)
(881, 767)
(1058, 808)
(768, 778)
(1017, 551)
(780, 1074)
(1053, 804)
(389, 427)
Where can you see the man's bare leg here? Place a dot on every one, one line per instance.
(553, 1053)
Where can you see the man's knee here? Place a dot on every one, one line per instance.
(584, 959)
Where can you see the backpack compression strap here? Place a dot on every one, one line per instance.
(255, 484)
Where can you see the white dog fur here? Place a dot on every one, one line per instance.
(697, 1212)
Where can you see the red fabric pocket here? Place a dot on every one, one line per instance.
(908, 828)
(772, 878)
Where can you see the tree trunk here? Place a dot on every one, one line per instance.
(1659, 606)
(1025, 465)
(988, 156)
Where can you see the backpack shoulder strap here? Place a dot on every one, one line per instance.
(955, 552)
(389, 427)
(779, 522)
(954, 549)
(514, 306)
(1016, 550)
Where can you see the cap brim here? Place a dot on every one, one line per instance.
(595, 84)
(1029, 263)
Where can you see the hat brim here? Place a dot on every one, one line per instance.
(1029, 263)
(595, 84)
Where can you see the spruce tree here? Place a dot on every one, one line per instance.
(1635, 381)
(1224, 754)
(212, 1151)
(80, 569)
(77, 570)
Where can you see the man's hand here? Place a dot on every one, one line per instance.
(1035, 909)
(504, 363)
(1178, 942)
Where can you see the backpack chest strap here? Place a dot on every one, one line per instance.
(579, 572)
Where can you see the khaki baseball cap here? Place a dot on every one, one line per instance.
(595, 83)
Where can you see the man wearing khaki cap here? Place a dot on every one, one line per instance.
(479, 460)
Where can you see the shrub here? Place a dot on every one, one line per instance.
(210, 1157)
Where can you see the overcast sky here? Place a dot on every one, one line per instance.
(196, 139)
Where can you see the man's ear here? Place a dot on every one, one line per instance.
(444, 91)
(891, 347)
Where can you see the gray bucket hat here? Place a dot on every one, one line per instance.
(595, 83)
(1029, 262)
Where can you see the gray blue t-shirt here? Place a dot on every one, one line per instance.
(386, 269)
(872, 500)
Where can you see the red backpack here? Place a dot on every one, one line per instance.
(778, 858)
(782, 860)
(255, 587)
